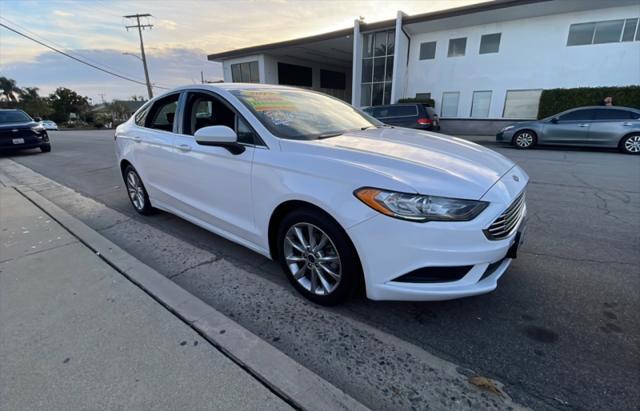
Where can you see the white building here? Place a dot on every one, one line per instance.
(482, 64)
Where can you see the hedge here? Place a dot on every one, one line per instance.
(560, 99)
(428, 101)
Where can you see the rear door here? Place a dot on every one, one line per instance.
(571, 128)
(611, 124)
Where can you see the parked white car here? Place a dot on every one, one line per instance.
(340, 199)
(49, 125)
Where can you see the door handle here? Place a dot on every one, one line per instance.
(137, 139)
(184, 147)
(584, 125)
(627, 124)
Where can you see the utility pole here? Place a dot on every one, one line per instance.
(141, 27)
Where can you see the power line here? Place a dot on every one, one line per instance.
(141, 27)
(72, 57)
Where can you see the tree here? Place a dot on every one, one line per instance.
(65, 102)
(9, 91)
(33, 104)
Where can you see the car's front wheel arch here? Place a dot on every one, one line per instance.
(523, 132)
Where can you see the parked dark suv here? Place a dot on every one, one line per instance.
(414, 115)
(19, 131)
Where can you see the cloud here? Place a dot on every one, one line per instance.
(62, 13)
(166, 24)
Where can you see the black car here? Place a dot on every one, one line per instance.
(414, 115)
(19, 131)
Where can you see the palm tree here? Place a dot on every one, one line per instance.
(9, 91)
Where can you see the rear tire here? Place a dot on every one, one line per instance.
(136, 191)
(46, 148)
(630, 144)
(524, 139)
(317, 257)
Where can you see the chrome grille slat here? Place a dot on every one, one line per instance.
(503, 226)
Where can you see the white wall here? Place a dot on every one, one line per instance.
(533, 55)
(400, 69)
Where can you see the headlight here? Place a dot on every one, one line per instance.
(39, 128)
(422, 208)
(507, 128)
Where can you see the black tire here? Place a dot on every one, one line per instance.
(45, 148)
(145, 208)
(350, 269)
(630, 144)
(524, 139)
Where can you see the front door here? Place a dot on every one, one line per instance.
(568, 128)
(214, 184)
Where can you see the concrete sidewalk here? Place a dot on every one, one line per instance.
(76, 334)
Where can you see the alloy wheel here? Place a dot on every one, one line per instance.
(632, 144)
(135, 190)
(524, 140)
(312, 258)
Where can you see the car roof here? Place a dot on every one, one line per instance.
(604, 108)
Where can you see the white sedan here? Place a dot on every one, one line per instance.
(49, 125)
(339, 199)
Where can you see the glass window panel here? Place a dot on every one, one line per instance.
(522, 104)
(608, 31)
(235, 73)
(578, 115)
(387, 93)
(580, 34)
(428, 50)
(255, 77)
(380, 44)
(457, 47)
(450, 104)
(365, 95)
(367, 70)
(367, 45)
(245, 71)
(378, 69)
(615, 114)
(490, 43)
(377, 94)
(480, 104)
(389, 72)
(629, 29)
(391, 42)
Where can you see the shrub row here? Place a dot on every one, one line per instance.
(559, 99)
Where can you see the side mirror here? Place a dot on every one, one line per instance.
(219, 136)
(554, 120)
(38, 119)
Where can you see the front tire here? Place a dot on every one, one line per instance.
(317, 257)
(630, 144)
(46, 148)
(136, 191)
(524, 139)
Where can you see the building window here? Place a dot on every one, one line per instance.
(600, 32)
(521, 104)
(333, 80)
(490, 43)
(245, 72)
(377, 67)
(423, 96)
(481, 103)
(294, 75)
(457, 47)
(428, 50)
(450, 104)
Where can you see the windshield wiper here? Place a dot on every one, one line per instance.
(328, 135)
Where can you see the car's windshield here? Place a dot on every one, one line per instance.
(8, 117)
(303, 115)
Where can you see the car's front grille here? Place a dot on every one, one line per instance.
(508, 221)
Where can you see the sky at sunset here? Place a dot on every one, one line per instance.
(184, 33)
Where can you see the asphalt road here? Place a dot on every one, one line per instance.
(561, 331)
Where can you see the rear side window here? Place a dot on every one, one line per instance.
(163, 113)
(578, 115)
(615, 114)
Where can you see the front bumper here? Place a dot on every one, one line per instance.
(390, 248)
(31, 141)
(505, 136)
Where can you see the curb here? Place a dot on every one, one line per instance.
(299, 386)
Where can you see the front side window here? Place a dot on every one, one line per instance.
(163, 113)
(457, 47)
(490, 43)
(301, 114)
(245, 72)
(450, 104)
(578, 115)
(141, 115)
(428, 50)
(205, 110)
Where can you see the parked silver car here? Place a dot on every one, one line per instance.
(597, 126)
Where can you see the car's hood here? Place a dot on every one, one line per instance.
(430, 163)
